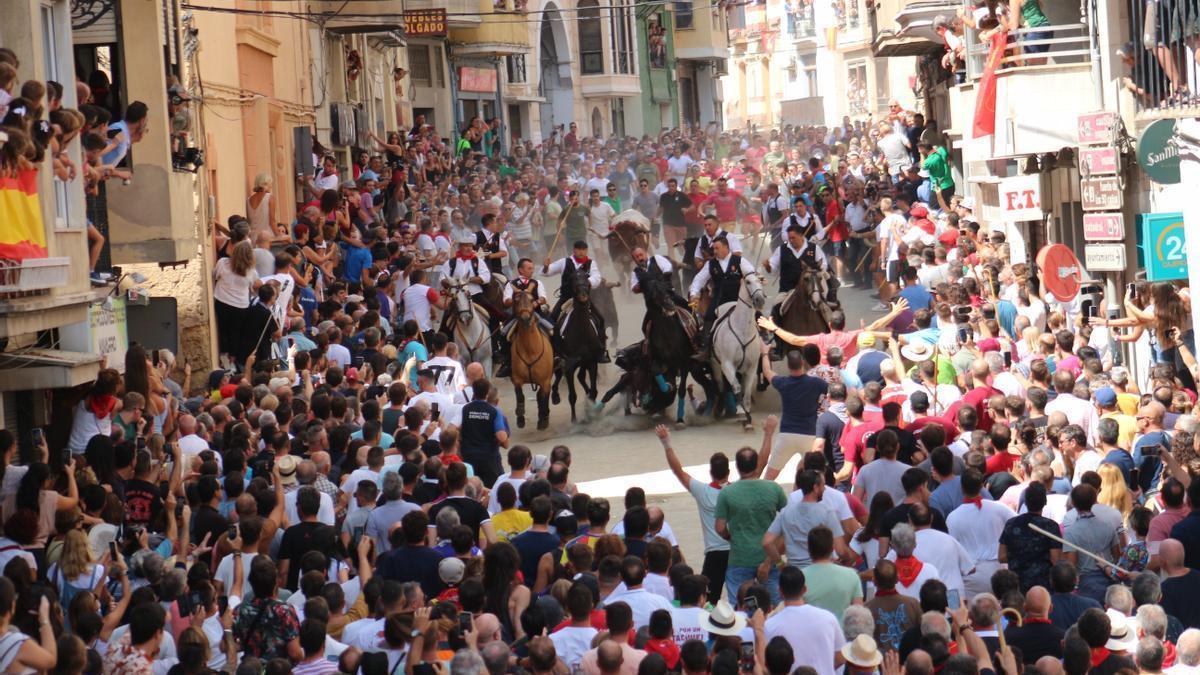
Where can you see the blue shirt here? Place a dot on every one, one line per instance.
(868, 366)
(1122, 460)
(357, 260)
(1148, 463)
(1187, 531)
(801, 398)
(414, 348)
(118, 153)
(918, 297)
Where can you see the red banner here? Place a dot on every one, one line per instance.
(985, 93)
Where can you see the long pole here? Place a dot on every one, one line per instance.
(1084, 551)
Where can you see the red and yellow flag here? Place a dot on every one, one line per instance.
(985, 93)
(22, 234)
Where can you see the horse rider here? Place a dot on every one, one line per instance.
(467, 266)
(712, 230)
(652, 267)
(726, 271)
(525, 282)
(566, 269)
(808, 222)
(791, 260)
(491, 243)
(774, 207)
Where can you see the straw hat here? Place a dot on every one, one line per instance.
(287, 469)
(917, 351)
(1121, 636)
(862, 652)
(722, 620)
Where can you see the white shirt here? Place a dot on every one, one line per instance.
(944, 553)
(461, 268)
(780, 203)
(571, 643)
(1088, 460)
(448, 410)
(85, 425)
(366, 634)
(803, 221)
(417, 306)
(735, 243)
(600, 217)
(224, 573)
(686, 623)
(1078, 411)
(509, 289)
(856, 216)
(663, 265)
(350, 485)
(659, 584)
(231, 288)
(451, 378)
(886, 236)
(913, 590)
(834, 500)
(494, 503)
(325, 514)
(814, 634)
(194, 445)
(641, 601)
(702, 275)
(677, 168)
(556, 269)
(337, 353)
(666, 533)
(598, 183)
(775, 255)
(283, 300)
(979, 529)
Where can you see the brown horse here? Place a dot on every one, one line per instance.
(532, 360)
(805, 310)
(626, 236)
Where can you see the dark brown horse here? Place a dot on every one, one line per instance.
(805, 310)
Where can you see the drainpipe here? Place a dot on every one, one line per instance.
(1094, 48)
(455, 114)
(501, 111)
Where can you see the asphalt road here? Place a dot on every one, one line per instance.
(612, 452)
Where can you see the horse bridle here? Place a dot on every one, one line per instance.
(464, 317)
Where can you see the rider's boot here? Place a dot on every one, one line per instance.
(702, 343)
(599, 322)
(502, 356)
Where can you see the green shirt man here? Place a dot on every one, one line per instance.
(938, 165)
(747, 508)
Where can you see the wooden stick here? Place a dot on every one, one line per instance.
(562, 220)
(1084, 551)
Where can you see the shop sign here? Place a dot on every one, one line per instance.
(1021, 198)
(1165, 243)
(425, 22)
(1157, 154)
(1097, 128)
(1099, 161)
(1103, 227)
(1104, 257)
(479, 80)
(105, 333)
(1101, 194)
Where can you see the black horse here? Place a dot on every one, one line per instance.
(670, 331)
(581, 343)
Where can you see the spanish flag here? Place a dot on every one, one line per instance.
(22, 234)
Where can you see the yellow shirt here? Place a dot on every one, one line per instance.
(511, 522)
(1128, 403)
(1126, 428)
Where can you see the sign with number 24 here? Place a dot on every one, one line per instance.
(1164, 242)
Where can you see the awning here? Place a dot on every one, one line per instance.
(29, 369)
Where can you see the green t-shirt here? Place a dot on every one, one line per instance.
(938, 166)
(575, 224)
(831, 586)
(1032, 15)
(614, 202)
(748, 507)
(648, 172)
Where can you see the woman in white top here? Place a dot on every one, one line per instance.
(75, 570)
(20, 653)
(260, 208)
(865, 541)
(234, 278)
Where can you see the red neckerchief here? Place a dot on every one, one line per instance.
(907, 570)
(579, 262)
(716, 485)
(102, 405)
(880, 593)
(977, 501)
(1168, 654)
(465, 256)
(1099, 654)
(1030, 619)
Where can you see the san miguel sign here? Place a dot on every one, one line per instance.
(425, 22)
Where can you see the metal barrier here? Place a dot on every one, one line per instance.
(1160, 67)
(1055, 44)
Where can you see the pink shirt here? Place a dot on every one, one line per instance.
(847, 340)
(1160, 525)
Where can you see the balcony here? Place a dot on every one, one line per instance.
(360, 16)
(705, 40)
(1157, 92)
(1039, 96)
(913, 32)
(605, 86)
(498, 32)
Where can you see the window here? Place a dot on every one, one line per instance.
(856, 87)
(683, 14)
(419, 67)
(50, 43)
(809, 63)
(516, 68)
(621, 20)
(591, 43)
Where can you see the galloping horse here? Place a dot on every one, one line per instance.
(669, 342)
(532, 360)
(468, 325)
(805, 310)
(737, 347)
(582, 344)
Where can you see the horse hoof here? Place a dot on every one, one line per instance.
(747, 426)
(598, 406)
(555, 398)
(520, 422)
(542, 425)
(680, 425)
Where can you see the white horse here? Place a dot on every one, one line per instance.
(471, 332)
(736, 345)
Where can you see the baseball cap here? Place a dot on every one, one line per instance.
(866, 340)
(451, 570)
(1105, 396)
